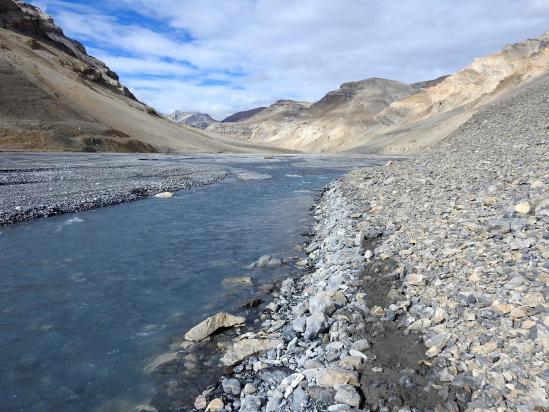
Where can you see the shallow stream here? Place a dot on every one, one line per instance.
(88, 299)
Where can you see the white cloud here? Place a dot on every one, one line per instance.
(289, 48)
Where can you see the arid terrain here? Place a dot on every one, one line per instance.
(379, 115)
(55, 97)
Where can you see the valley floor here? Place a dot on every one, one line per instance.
(34, 185)
(427, 285)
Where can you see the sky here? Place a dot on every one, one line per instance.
(223, 56)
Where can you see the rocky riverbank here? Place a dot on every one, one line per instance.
(427, 283)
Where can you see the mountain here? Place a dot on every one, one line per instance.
(324, 125)
(241, 116)
(192, 119)
(428, 83)
(261, 126)
(54, 96)
(386, 116)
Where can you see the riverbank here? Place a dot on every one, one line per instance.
(427, 283)
(34, 185)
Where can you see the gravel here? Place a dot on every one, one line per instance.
(34, 185)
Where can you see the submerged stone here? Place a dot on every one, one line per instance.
(212, 324)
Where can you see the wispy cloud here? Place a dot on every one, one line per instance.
(221, 56)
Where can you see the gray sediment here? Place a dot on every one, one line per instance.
(34, 185)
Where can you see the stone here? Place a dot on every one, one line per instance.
(276, 325)
(245, 348)
(145, 408)
(351, 362)
(321, 303)
(267, 261)
(518, 313)
(250, 403)
(215, 405)
(332, 376)
(361, 345)
(212, 324)
(533, 299)
(288, 333)
(231, 386)
(348, 395)
(487, 348)
(542, 209)
(313, 364)
(501, 307)
(357, 354)
(274, 401)
(290, 383)
(377, 311)
(368, 255)
(416, 279)
(249, 389)
(164, 195)
(314, 325)
(299, 400)
(162, 362)
(298, 324)
(523, 208)
(475, 275)
(200, 402)
(238, 281)
(436, 344)
(489, 201)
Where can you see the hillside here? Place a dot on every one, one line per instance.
(192, 119)
(386, 116)
(241, 116)
(55, 97)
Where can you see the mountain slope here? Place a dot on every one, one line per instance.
(262, 125)
(192, 119)
(56, 97)
(323, 125)
(244, 115)
(385, 116)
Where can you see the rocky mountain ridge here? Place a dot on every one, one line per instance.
(192, 119)
(244, 115)
(29, 20)
(56, 97)
(378, 115)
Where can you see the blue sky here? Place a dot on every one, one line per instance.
(222, 56)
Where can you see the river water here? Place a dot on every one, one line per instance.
(88, 299)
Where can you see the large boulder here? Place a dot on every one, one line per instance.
(245, 348)
(212, 324)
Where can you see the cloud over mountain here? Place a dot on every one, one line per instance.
(219, 57)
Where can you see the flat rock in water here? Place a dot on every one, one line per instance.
(245, 348)
(212, 324)
(237, 281)
(164, 195)
(160, 361)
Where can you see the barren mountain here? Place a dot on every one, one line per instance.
(264, 124)
(241, 116)
(378, 115)
(192, 119)
(54, 96)
(323, 125)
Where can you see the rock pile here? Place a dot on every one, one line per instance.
(427, 283)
